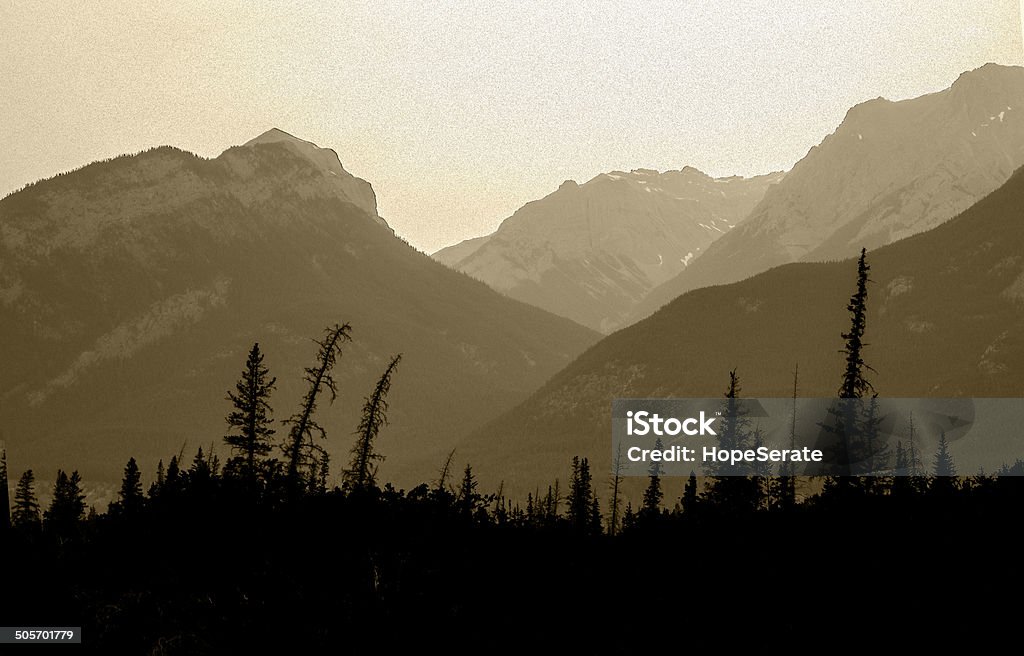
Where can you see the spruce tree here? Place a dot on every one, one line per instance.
(653, 495)
(250, 421)
(786, 484)
(733, 489)
(130, 496)
(616, 484)
(26, 505)
(200, 473)
(689, 500)
(901, 472)
(157, 485)
(629, 518)
(68, 505)
(595, 527)
(5, 499)
(362, 470)
(854, 385)
(174, 482)
(301, 448)
(581, 495)
(846, 450)
(468, 499)
(944, 465)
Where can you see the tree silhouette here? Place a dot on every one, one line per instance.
(68, 505)
(468, 500)
(854, 385)
(733, 489)
(651, 508)
(689, 500)
(362, 470)
(5, 501)
(615, 484)
(130, 499)
(944, 466)
(786, 484)
(249, 423)
(581, 496)
(846, 449)
(158, 482)
(301, 449)
(26, 505)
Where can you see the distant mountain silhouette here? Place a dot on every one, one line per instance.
(890, 170)
(944, 319)
(589, 252)
(132, 289)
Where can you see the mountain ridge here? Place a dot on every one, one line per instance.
(136, 285)
(944, 319)
(590, 251)
(891, 169)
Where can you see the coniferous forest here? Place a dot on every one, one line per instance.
(257, 553)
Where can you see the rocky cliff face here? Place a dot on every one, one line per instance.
(355, 190)
(891, 170)
(589, 252)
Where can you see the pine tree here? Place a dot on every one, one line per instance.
(653, 495)
(944, 466)
(200, 473)
(581, 495)
(901, 472)
(876, 457)
(846, 449)
(915, 467)
(595, 527)
(249, 423)
(68, 505)
(26, 505)
(733, 489)
(5, 500)
(362, 470)
(468, 499)
(301, 449)
(175, 479)
(786, 485)
(854, 384)
(157, 485)
(130, 496)
(689, 500)
(629, 518)
(616, 484)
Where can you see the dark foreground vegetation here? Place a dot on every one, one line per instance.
(260, 555)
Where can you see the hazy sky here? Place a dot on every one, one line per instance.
(460, 112)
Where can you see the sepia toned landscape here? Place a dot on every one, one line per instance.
(243, 409)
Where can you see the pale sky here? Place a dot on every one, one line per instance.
(460, 112)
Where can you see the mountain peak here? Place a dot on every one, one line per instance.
(274, 135)
(323, 158)
(326, 160)
(991, 69)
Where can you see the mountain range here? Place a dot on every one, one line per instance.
(131, 290)
(890, 170)
(945, 319)
(590, 252)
